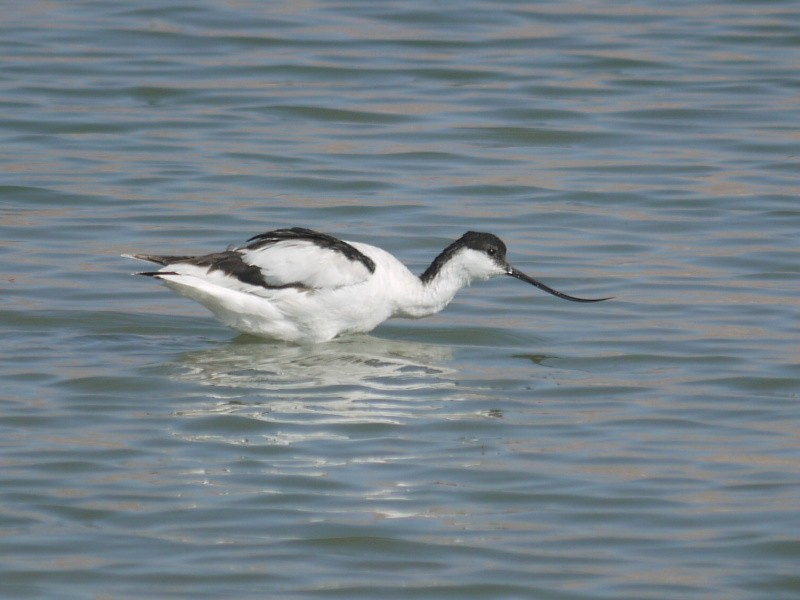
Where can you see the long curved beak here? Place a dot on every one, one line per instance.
(521, 276)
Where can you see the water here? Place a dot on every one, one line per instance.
(514, 446)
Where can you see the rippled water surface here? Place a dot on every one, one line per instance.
(513, 446)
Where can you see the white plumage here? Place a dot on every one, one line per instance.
(302, 286)
(305, 262)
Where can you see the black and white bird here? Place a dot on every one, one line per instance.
(303, 286)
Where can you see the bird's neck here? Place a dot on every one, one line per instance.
(432, 291)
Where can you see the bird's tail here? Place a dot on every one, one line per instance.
(158, 259)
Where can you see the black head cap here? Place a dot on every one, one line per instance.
(487, 243)
(482, 242)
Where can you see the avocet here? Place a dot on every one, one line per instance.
(303, 286)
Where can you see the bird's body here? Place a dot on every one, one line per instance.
(302, 286)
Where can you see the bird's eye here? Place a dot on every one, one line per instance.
(491, 251)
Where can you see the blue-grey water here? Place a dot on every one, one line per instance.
(513, 446)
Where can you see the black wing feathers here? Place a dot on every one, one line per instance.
(322, 240)
(232, 262)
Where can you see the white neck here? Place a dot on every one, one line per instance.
(423, 299)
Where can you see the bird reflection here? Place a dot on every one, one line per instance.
(247, 362)
(359, 379)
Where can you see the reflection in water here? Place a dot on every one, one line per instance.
(351, 381)
(350, 361)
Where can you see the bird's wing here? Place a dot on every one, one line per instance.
(305, 259)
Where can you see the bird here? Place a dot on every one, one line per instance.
(301, 286)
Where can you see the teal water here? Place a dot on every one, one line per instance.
(513, 446)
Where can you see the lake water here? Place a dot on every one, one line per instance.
(513, 446)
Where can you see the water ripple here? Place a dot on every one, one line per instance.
(513, 446)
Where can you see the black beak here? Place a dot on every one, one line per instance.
(514, 273)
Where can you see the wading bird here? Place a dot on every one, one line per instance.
(303, 286)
